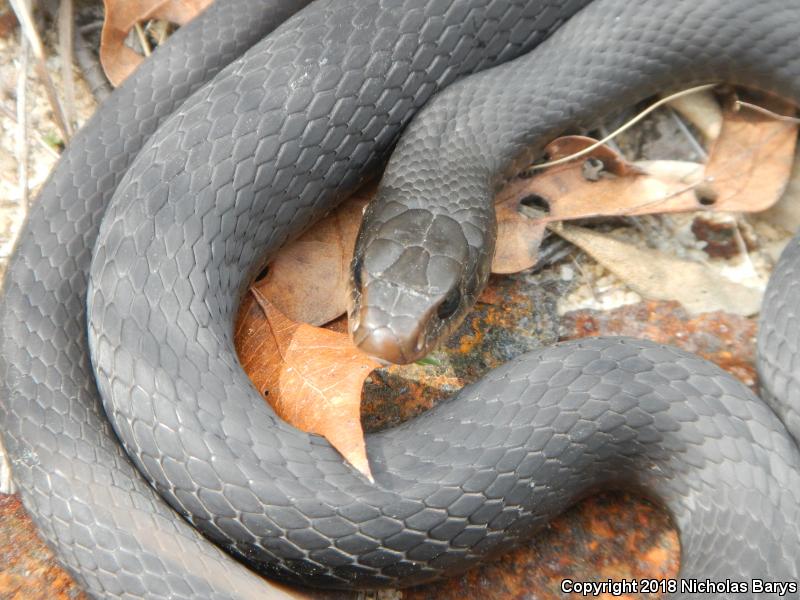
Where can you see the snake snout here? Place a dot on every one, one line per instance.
(379, 335)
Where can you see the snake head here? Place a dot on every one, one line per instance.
(413, 278)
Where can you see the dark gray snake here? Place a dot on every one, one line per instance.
(249, 161)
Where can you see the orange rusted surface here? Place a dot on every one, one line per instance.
(726, 339)
(616, 536)
(28, 570)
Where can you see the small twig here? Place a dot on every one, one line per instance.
(91, 27)
(603, 130)
(22, 123)
(91, 69)
(66, 28)
(741, 245)
(22, 10)
(620, 129)
(765, 111)
(158, 30)
(696, 146)
(142, 39)
(553, 252)
(8, 113)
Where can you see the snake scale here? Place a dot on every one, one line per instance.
(176, 193)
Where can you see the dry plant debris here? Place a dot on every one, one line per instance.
(312, 377)
(746, 143)
(122, 16)
(659, 276)
(751, 158)
(307, 280)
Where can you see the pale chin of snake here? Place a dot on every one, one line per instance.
(275, 140)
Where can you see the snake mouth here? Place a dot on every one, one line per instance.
(383, 343)
(375, 333)
(392, 322)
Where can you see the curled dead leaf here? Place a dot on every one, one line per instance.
(122, 15)
(311, 377)
(307, 280)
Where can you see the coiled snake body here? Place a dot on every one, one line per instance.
(250, 160)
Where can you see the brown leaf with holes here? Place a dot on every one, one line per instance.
(748, 169)
(602, 183)
(307, 280)
(311, 377)
(121, 16)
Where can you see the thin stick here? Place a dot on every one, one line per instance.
(91, 69)
(159, 30)
(65, 42)
(766, 111)
(22, 123)
(143, 39)
(620, 129)
(696, 146)
(91, 27)
(22, 10)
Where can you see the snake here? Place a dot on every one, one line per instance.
(136, 439)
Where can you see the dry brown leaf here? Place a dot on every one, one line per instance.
(518, 236)
(311, 377)
(785, 215)
(307, 280)
(750, 162)
(748, 169)
(682, 171)
(122, 15)
(658, 276)
(621, 188)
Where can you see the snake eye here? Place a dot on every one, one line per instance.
(448, 308)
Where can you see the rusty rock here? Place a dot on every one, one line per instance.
(28, 570)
